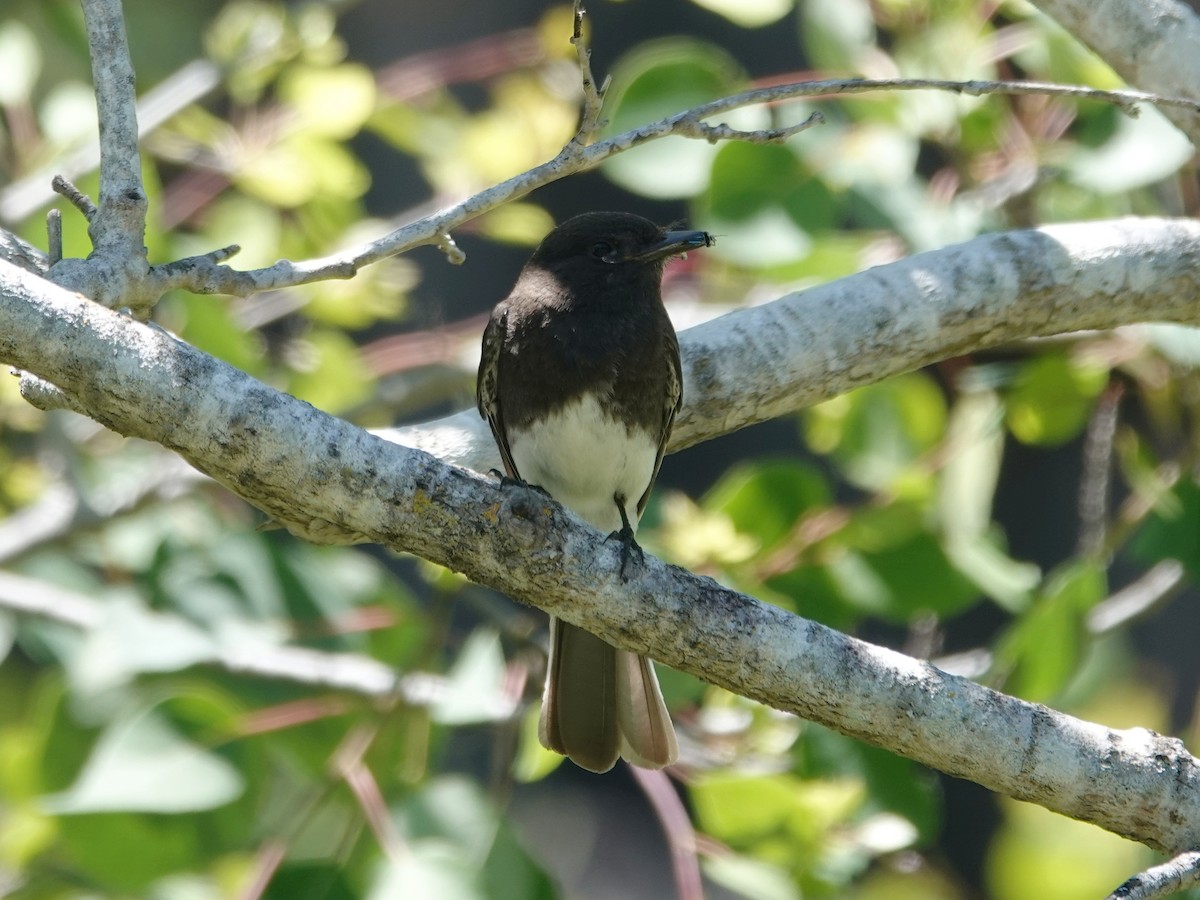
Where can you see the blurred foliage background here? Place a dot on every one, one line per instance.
(191, 708)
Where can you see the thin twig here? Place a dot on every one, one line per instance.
(1171, 877)
(54, 235)
(1095, 482)
(78, 198)
(593, 98)
(576, 157)
(1158, 584)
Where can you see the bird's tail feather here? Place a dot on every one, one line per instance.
(648, 737)
(579, 707)
(601, 703)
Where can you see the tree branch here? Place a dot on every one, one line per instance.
(1171, 877)
(757, 364)
(1150, 43)
(577, 157)
(328, 480)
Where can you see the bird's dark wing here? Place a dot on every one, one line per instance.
(671, 404)
(487, 386)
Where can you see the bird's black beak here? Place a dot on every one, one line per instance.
(674, 243)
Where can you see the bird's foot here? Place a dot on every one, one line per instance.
(630, 548)
(509, 481)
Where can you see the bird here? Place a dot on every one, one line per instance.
(580, 382)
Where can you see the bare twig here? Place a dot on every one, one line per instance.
(77, 198)
(722, 132)
(1157, 585)
(593, 97)
(54, 236)
(1094, 482)
(1171, 877)
(576, 157)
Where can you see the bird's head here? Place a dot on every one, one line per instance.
(610, 247)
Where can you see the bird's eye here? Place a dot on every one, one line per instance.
(601, 250)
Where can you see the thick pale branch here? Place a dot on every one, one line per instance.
(119, 224)
(1171, 877)
(327, 479)
(757, 364)
(1150, 43)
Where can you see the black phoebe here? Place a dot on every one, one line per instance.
(580, 382)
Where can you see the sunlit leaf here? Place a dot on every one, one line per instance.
(22, 62)
(533, 762)
(429, 868)
(334, 100)
(750, 878)
(983, 559)
(475, 684)
(877, 433)
(1172, 531)
(975, 447)
(1052, 397)
(749, 13)
(765, 499)
(132, 639)
(1042, 651)
(655, 80)
(1037, 853)
(330, 372)
(517, 223)
(837, 34)
(142, 764)
(740, 808)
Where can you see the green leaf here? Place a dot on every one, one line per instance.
(750, 878)
(132, 639)
(764, 203)
(331, 100)
(142, 764)
(332, 375)
(1043, 650)
(764, 499)
(747, 177)
(918, 578)
(983, 559)
(658, 79)
(974, 450)
(749, 13)
(741, 809)
(1144, 150)
(877, 433)
(838, 34)
(894, 784)
(430, 868)
(475, 684)
(1052, 397)
(121, 854)
(22, 63)
(1172, 531)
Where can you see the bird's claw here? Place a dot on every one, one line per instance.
(509, 481)
(629, 549)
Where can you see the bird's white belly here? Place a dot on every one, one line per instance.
(583, 456)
